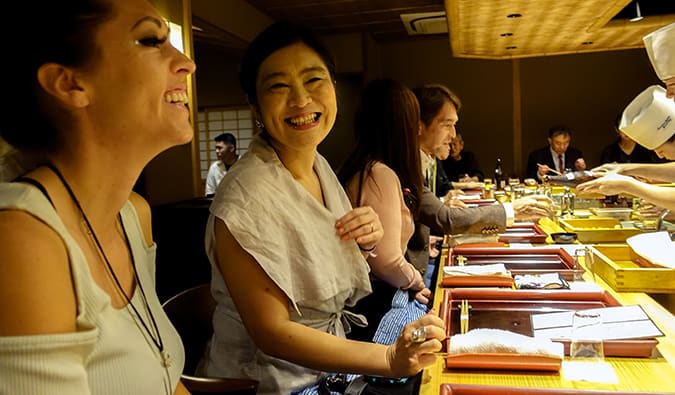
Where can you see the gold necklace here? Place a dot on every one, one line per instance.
(164, 355)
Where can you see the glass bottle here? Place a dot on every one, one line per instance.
(500, 181)
(567, 203)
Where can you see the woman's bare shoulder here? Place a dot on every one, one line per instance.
(36, 287)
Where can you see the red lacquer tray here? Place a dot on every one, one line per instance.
(509, 309)
(477, 281)
(519, 260)
(524, 232)
(477, 389)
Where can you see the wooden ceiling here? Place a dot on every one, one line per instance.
(521, 28)
(482, 28)
(380, 18)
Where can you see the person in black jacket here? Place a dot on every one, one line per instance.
(557, 157)
(462, 165)
(625, 150)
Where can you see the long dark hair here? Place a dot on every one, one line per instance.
(385, 127)
(66, 31)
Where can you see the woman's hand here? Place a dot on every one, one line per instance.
(361, 224)
(423, 296)
(407, 357)
(433, 250)
(610, 184)
(608, 168)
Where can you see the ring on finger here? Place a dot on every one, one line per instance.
(419, 335)
(372, 228)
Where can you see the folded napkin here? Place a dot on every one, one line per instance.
(486, 341)
(654, 247)
(496, 269)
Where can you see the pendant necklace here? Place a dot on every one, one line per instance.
(165, 357)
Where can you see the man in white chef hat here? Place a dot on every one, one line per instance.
(649, 120)
(660, 46)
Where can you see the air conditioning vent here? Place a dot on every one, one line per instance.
(425, 23)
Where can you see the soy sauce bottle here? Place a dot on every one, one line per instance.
(500, 181)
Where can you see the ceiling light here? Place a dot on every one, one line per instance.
(638, 14)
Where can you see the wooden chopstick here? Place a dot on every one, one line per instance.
(551, 170)
(464, 317)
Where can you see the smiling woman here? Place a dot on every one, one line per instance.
(101, 93)
(282, 277)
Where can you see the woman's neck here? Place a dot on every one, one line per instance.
(301, 166)
(101, 185)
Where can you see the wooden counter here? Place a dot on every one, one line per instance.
(634, 374)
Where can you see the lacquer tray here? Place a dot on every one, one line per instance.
(598, 230)
(519, 260)
(524, 232)
(477, 281)
(509, 309)
(478, 389)
(619, 268)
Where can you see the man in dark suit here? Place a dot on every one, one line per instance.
(557, 157)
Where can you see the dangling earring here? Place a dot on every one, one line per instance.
(259, 124)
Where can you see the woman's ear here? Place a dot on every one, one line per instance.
(61, 83)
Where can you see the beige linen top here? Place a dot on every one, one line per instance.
(293, 239)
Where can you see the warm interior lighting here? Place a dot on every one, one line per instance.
(638, 14)
(176, 36)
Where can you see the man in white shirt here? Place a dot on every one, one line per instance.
(226, 154)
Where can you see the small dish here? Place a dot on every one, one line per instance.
(582, 214)
(564, 237)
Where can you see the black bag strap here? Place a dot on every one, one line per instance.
(356, 386)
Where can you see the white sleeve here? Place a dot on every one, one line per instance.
(211, 184)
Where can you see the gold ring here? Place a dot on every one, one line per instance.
(372, 228)
(419, 335)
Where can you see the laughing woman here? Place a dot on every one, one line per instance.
(383, 172)
(97, 96)
(286, 247)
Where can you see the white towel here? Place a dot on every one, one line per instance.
(497, 269)
(485, 340)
